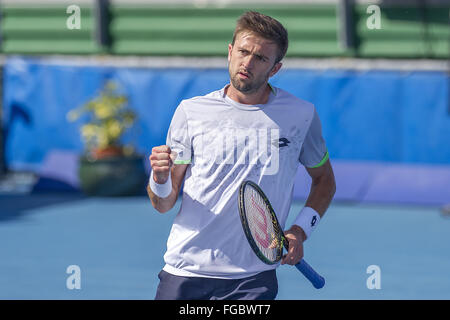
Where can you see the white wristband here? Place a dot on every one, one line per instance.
(307, 219)
(161, 190)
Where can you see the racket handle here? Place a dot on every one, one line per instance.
(316, 279)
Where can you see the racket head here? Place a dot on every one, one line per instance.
(260, 223)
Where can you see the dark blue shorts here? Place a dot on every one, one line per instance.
(262, 286)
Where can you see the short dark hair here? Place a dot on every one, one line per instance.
(266, 27)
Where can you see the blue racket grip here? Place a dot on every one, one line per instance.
(316, 279)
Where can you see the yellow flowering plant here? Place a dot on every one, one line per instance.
(108, 119)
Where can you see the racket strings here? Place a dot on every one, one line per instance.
(261, 226)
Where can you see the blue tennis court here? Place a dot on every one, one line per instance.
(118, 245)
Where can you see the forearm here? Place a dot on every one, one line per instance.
(162, 205)
(321, 194)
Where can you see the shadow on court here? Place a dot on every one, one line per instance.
(14, 207)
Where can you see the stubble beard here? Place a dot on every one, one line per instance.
(247, 87)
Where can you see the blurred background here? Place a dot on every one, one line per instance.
(89, 87)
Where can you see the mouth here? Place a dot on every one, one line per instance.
(243, 75)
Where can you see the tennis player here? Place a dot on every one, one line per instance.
(248, 130)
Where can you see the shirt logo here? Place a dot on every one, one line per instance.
(282, 142)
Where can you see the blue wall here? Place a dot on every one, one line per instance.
(384, 116)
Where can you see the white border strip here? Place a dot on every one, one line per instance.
(197, 3)
(222, 63)
(220, 3)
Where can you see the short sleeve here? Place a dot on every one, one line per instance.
(178, 138)
(314, 150)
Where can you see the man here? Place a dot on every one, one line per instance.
(221, 139)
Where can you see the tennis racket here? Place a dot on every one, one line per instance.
(263, 230)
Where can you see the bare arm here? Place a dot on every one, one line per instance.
(323, 188)
(165, 204)
(161, 162)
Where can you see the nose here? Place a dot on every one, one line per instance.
(248, 62)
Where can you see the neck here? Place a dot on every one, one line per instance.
(261, 96)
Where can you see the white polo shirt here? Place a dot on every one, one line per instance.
(225, 143)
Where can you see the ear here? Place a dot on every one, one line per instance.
(275, 69)
(230, 48)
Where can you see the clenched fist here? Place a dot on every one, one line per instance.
(161, 160)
